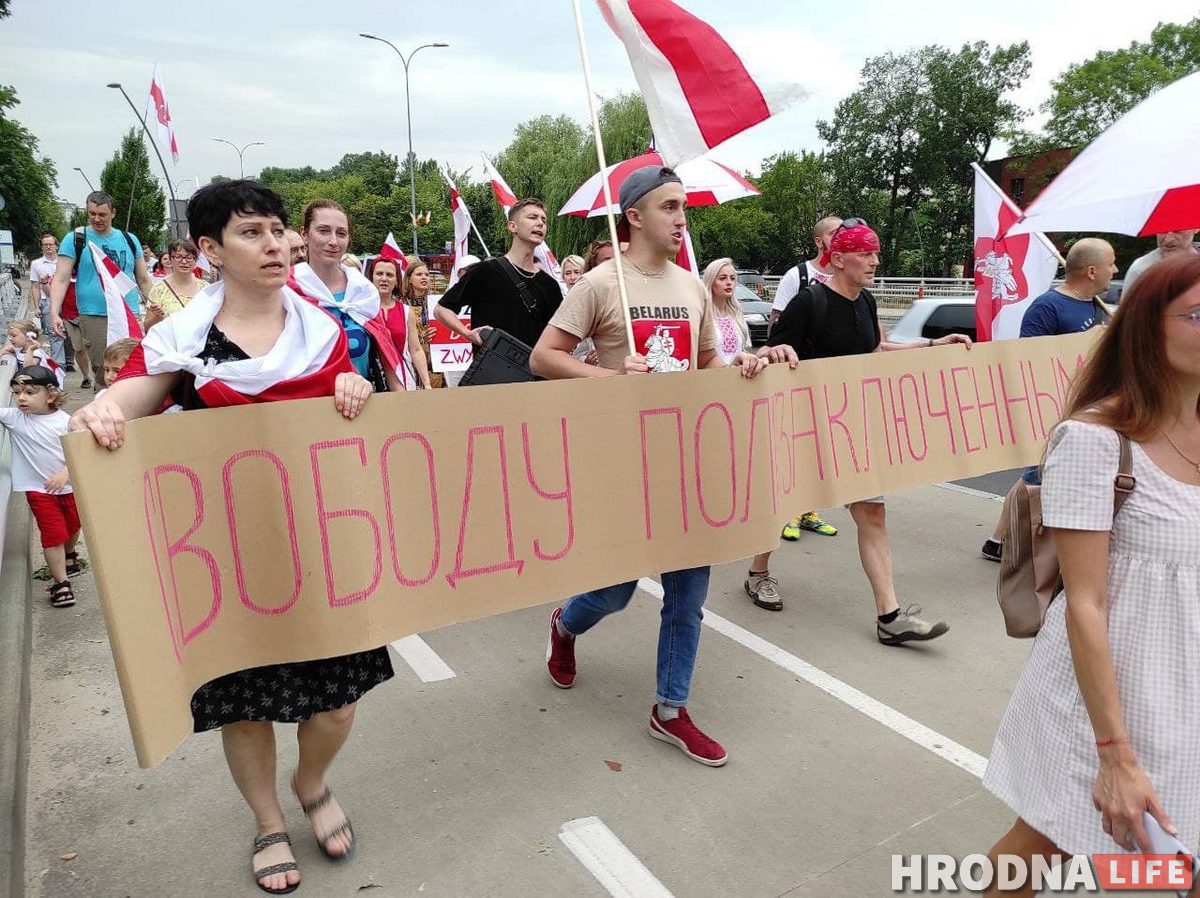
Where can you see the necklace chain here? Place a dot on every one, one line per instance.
(643, 272)
(1186, 458)
(519, 270)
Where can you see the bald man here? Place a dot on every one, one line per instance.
(800, 276)
(1068, 308)
(1169, 244)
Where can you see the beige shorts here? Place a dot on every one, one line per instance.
(75, 335)
(95, 334)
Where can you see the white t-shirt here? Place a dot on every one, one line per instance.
(42, 268)
(789, 284)
(37, 448)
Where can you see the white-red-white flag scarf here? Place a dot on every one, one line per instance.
(117, 285)
(157, 107)
(305, 361)
(698, 92)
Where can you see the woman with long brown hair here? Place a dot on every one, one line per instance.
(1102, 727)
(416, 297)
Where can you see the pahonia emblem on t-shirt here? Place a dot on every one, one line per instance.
(666, 346)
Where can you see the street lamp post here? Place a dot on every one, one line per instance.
(240, 150)
(185, 180)
(412, 175)
(142, 121)
(85, 178)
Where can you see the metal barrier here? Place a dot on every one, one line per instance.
(899, 293)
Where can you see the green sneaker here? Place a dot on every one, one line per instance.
(791, 530)
(814, 524)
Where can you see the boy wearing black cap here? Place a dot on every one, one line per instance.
(37, 424)
(673, 331)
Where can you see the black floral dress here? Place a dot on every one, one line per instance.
(279, 693)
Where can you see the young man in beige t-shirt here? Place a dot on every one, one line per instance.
(673, 331)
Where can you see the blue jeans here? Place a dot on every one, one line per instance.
(1032, 476)
(684, 593)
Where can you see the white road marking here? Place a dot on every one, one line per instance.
(958, 755)
(424, 661)
(969, 491)
(607, 859)
(653, 587)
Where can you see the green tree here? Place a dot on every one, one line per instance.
(1089, 96)
(27, 182)
(128, 174)
(906, 137)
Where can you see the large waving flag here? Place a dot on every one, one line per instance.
(697, 90)
(157, 104)
(117, 284)
(507, 199)
(1010, 271)
(462, 228)
(392, 252)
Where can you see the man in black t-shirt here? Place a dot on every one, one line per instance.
(839, 318)
(510, 293)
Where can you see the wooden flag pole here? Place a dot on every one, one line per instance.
(608, 199)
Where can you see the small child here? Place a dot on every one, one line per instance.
(25, 343)
(36, 425)
(115, 357)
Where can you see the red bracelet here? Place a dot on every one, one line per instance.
(1115, 740)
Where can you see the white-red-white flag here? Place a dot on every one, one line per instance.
(462, 229)
(697, 90)
(156, 106)
(507, 199)
(1010, 271)
(117, 285)
(503, 193)
(686, 257)
(391, 251)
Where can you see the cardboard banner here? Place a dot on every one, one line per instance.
(232, 538)
(447, 350)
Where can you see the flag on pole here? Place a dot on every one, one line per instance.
(1010, 271)
(507, 199)
(462, 229)
(391, 251)
(697, 90)
(504, 195)
(686, 257)
(117, 285)
(157, 105)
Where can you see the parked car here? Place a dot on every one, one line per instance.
(757, 312)
(931, 319)
(1112, 295)
(753, 280)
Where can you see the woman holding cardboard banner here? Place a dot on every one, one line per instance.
(249, 338)
(1101, 730)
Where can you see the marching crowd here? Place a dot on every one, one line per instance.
(1100, 727)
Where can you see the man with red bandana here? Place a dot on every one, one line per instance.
(839, 318)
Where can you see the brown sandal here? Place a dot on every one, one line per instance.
(267, 841)
(344, 827)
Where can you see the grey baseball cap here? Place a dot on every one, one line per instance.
(642, 181)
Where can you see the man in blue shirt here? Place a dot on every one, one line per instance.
(124, 249)
(1068, 308)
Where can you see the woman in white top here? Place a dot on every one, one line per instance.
(733, 336)
(1105, 719)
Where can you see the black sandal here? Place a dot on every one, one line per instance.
(61, 595)
(75, 564)
(267, 841)
(344, 827)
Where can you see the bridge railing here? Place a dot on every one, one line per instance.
(899, 293)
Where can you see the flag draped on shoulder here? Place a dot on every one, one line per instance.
(698, 92)
(117, 285)
(1010, 271)
(462, 228)
(157, 106)
(392, 252)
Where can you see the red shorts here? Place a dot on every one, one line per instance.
(56, 516)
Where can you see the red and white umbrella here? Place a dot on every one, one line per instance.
(707, 183)
(1140, 177)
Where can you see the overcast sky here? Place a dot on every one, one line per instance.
(296, 75)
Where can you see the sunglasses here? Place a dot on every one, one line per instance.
(851, 223)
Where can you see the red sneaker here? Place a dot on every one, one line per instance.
(560, 655)
(686, 736)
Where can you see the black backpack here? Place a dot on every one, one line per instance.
(81, 243)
